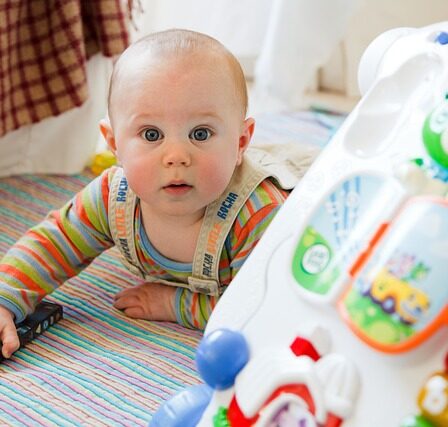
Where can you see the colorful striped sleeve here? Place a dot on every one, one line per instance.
(193, 310)
(252, 222)
(58, 248)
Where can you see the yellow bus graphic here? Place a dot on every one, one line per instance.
(398, 296)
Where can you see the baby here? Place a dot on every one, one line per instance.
(185, 208)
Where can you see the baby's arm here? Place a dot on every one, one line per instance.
(64, 243)
(155, 301)
(8, 333)
(150, 301)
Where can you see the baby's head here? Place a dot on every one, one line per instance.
(180, 45)
(177, 107)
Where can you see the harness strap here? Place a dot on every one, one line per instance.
(122, 202)
(216, 224)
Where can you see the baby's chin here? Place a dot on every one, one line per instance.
(181, 211)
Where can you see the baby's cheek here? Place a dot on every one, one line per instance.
(216, 176)
(140, 177)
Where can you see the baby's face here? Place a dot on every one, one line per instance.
(179, 132)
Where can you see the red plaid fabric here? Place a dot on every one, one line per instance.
(44, 46)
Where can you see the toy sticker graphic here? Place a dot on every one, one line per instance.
(337, 230)
(292, 415)
(402, 288)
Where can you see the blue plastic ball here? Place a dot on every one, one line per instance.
(220, 356)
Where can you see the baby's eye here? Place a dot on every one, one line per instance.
(151, 135)
(200, 134)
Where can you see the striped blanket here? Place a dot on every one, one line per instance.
(97, 367)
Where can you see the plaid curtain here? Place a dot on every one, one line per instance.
(44, 46)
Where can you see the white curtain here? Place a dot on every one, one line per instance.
(281, 43)
(62, 144)
(301, 36)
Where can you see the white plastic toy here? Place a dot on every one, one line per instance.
(339, 316)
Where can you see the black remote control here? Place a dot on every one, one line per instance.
(45, 315)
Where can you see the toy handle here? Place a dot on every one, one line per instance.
(373, 55)
(389, 102)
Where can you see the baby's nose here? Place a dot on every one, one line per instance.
(176, 154)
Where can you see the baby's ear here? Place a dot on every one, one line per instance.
(246, 136)
(108, 134)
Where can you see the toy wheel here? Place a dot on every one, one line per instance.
(388, 305)
(363, 287)
(406, 322)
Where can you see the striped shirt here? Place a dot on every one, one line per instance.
(70, 238)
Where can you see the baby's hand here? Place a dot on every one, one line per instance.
(150, 301)
(8, 333)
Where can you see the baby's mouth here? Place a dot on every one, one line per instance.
(177, 187)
